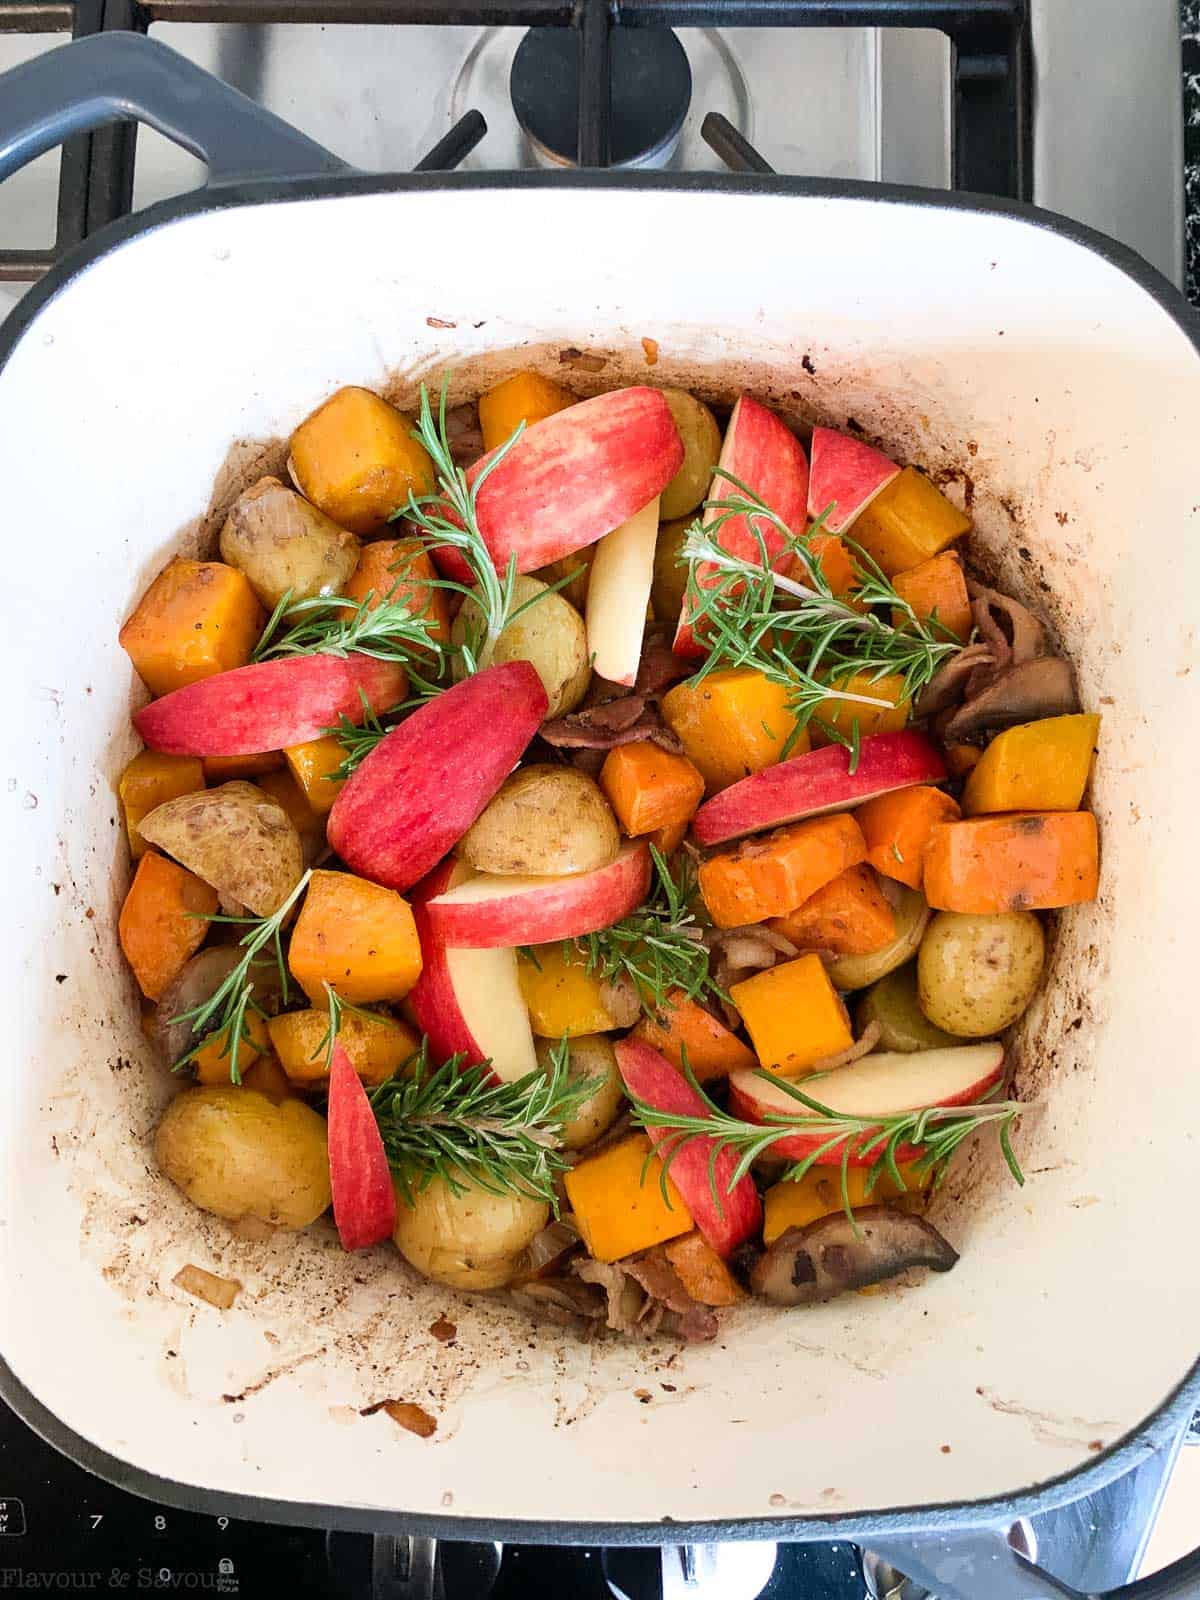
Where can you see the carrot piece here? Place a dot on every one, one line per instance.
(401, 570)
(683, 1026)
(961, 759)
(794, 1015)
(355, 458)
(525, 397)
(1026, 861)
(701, 1271)
(1039, 766)
(841, 714)
(214, 1059)
(936, 589)
(266, 1076)
(197, 618)
(358, 937)
(220, 769)
(148, 781)
(649, 787)
(377, 1046)
(908, 522)
(897, 826)
(850, 916)
(770, 875)
(162, 922)
(732, 723)
(312, 765)
(619, 1203)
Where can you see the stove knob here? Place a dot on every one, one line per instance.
(399, 1567)
(885, 1583)
(690, 1572)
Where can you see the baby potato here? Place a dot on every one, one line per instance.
(550, 635)
(544, 820)
(893, 1004)
(856, 972)
(977, 974)
(589, 1056)
(470, 1240)
(236, 838)
(577, 569)
(281, 542)
(670, 578)
(236, 1154)
(701, 449)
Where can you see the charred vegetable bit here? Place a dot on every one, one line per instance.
(807, 1265)
(454, 1122)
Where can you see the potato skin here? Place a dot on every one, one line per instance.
(281, 542)
(550, 635)
(701, 450)
(236, 1154)
(856, 972)
(670, 579)
(977, 974)
(471, 1240)
(893, 1004)
(235, 837)
(545, 820)
(590, 1055)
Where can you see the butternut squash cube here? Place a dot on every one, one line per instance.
(618, 1201)
(213, 1061)
(163, 921)
(399, 570)
(525, 397)
(771, 874)
(850, 916)
(377, 1046)
(196, 619)
(311, 765)
(284, 789)
(561, 995)
(356, 936)
(221, 769)
(732, 723)
(650, 788)
(1038, 766)
(908, 522)
(356, 459)
(936, 590)
(794, 1015)
(267, 1077)
(148, 781)
(796, 1203)
(841, 714)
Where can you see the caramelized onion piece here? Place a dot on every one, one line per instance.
(219, 1292)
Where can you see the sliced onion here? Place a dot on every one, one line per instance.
(219, 1292)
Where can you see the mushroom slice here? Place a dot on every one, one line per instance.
(807, 1265)
(1043, 687)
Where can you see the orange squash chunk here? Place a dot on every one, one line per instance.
(936, 589)
(618, 1200)
(684, 1027)
(148, 781)
(163, 921)
(772, 874)
(650, 788)
(793, 1015)
(356, 936)
(1026, 861)
(399, 570)
(850, 916)
(525, 397)
(196, 619)
(897, 828)
(356, 459)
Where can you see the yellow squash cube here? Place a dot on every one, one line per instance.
(213, 1061)
(562, 996)
(732, 723)
(794, 1204)
(908, 522)
(841, 714)
(618, 1201)
(525, 397)
(1038, 766)
(148, 781)
(794, 1016)
(196, 619)
(311, 765)
(377, 1046)
(356, 936)
(355, 458)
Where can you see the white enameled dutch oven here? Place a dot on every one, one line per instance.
(1053, 378)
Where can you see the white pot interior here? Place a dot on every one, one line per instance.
(1034, 374)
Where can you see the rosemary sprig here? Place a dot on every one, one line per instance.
(337, 1008)
(659, 947)
(235, 997)
(334, 626)
(798, 633)
(936, 1130)
(454, 1122)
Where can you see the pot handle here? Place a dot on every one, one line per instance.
(121, 77)
(984, 1566)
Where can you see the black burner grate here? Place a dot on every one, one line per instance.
(989, 62)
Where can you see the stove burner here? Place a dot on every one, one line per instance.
(651, 92)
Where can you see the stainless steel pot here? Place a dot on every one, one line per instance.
(1048, 373)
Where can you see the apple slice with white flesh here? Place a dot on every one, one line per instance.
(489, 911)
(468, 1002)
(820, 781)
(768, 458)
(423, 785)
(364, 1199)
(618, 593)
(844, 477)
(873, 1087)
(268, 705)
(735, 1214)
(570, 479)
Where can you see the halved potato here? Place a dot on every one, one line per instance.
(236, 838)
(550, 635)
(591, 1056)
(544, 820)
(912, 918)
(281, 542)
(470, 1240)
(701, 450)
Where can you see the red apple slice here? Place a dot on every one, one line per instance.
(469, 1002)
(618, 591)
(846, 476)
(769, 459)
(571, 478)
(883, 1085)
(490, 911)
(733, 1216)
(268, 706)
(364, 1201)
(423, 786)
(809, 785)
